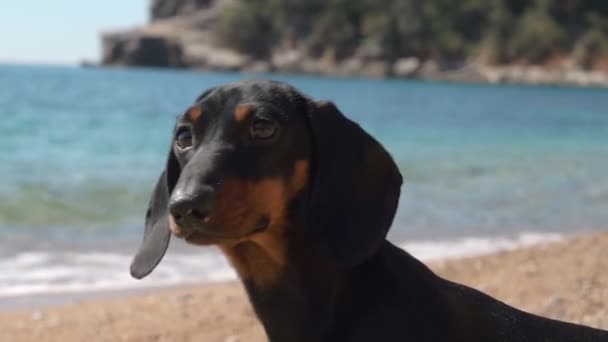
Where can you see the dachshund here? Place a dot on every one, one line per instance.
(300, 199)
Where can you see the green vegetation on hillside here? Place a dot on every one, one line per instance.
(497, 31)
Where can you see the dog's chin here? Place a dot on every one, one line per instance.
(202, 238)
(199, 239)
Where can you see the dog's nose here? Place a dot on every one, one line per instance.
(191, 211)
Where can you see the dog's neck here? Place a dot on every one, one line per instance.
(291, 287)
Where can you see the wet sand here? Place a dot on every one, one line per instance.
(567, 280)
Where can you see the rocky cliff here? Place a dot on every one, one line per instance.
(178, 35)
(163, 9)
(183, 34)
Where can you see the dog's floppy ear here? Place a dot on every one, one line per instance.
(356, 186)
(156, 232)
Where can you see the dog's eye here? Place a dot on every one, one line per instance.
(183, 138)
(262, 129)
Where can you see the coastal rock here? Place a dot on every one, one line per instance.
(207, 57)
(543, 76)
(185, 40)
(351, 66)
(287, 60)
(376, 69)
(225, 60)
(586, 78)
(149, 51)
(430, 69)
(163, 9)
(406, 67)
(258, 67)
(87, 64)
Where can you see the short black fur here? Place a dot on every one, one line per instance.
(342, 280)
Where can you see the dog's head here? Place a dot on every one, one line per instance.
(245, 155)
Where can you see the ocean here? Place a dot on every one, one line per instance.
(486, 168)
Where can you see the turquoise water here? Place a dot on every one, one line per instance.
(81, 149)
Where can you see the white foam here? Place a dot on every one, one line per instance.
(57, 272)
(473, 246)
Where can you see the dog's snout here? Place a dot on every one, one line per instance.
(192, 210)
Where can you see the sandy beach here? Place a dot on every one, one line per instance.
(567, 280)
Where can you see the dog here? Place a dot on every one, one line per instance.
(300, 199)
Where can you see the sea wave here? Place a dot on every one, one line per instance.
(473, 246)
(47, 272)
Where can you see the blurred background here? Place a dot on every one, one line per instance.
(495, 111)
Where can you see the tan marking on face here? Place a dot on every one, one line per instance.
(261, 257)
(242, 112)
(299, 179)
(240, 204)
(194, 113)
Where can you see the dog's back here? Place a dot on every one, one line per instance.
(394, 297)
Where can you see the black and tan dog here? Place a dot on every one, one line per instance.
(300, 199)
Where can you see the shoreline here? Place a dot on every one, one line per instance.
(51, 300)
(512, 75)
(178, 268)
(564, 279)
